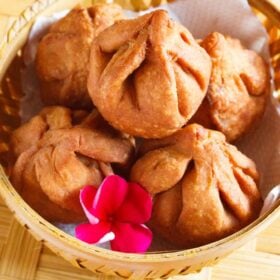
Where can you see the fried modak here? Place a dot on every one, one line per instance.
(204, 188)
(238, 88)
(63, 55)
(148, 75)
(55, 158)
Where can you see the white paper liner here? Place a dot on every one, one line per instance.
(231, 17)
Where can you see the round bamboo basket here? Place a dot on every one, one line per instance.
(98, 260)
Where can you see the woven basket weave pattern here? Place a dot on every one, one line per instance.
(60, 243)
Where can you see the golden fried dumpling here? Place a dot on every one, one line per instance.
(50, 118)
(63, 54)
(61, 158)
(148, 75)
(238, 88)
(204, 188)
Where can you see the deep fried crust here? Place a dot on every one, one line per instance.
(204, 188)
(238, 88)
(148, 75)
(63, 55)
(55, 159)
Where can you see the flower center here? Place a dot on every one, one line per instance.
(110, 218)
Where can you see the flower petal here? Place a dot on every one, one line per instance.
(131, 238)
(87, 195)
(137, 207)
(92, 233)
(109, 197)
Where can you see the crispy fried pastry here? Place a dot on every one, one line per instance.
(148, 75)
(55, 159)
(238, 88)
(204, 188)
(63, 54)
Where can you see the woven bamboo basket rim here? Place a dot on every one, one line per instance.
(33, 221)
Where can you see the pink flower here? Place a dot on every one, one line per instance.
(117, 211)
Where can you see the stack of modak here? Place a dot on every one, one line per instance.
(138, 97)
